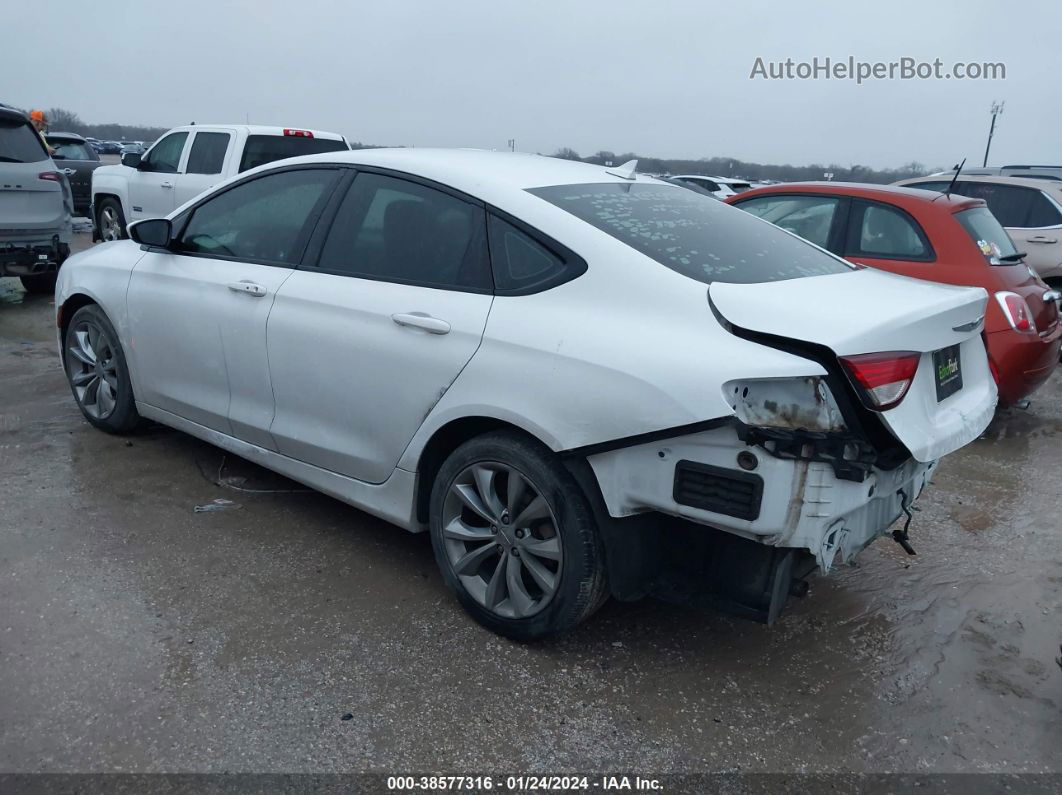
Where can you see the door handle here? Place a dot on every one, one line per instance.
(69, 172)
(250, 288)
(166, 185)
(1042, 239)
(432, 325)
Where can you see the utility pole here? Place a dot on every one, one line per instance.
(512, 144)
(997, 110)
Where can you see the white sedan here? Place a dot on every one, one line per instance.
(583, 382)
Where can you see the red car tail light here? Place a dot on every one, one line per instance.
(51, 176)
(884, 377)
(1017, 311)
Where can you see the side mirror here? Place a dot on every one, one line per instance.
(155, 232)
(131, 159)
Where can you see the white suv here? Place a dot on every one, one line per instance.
(581, 381)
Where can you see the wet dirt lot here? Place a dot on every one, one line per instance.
(139, 635)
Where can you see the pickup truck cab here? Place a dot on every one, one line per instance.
(187, 161)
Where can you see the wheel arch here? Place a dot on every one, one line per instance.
(443, 441)
(69, 308)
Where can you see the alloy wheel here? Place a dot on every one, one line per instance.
(110, 226)
(92, 366)
(501, 539)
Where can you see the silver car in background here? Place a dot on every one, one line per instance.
(35, 206)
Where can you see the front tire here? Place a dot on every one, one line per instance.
(110, 220)
(97, 371)
(515, 538)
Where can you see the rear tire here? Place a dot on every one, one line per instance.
(39, 284)
(110, 220)
(97, 372)
(515, 538)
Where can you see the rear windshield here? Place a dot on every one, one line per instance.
(987, 233)
(262, 149)
(19, 143)
(690, 233)
(72, 150)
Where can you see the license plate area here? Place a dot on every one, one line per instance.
(947, 371)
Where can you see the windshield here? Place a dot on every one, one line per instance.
(19, 143)
(72, 150)
(690, 233)
(991, 238)
(261, 149)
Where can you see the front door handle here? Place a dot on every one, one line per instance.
(1042, 239)
(166, 185)
(432, 325)
(250, 288)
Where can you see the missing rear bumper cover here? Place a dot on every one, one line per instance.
(852, 458)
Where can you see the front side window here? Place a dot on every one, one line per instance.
(165, 156)
(395, 230)
(810, 217)
(208, 153)
(886, 232)
(692, 234)
(264, 220)
(987, 234)
(72, 150)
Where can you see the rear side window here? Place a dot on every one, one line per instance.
(525, 265)
(263, 220)
(1043, 212)
(392, 229)
(1008, 203)
(262, 149)
(208, 153)
(876, 230)
(987, 233)
(692, 234)
(19, 143)
(810, 217)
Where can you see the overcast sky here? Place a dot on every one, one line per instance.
(659, 77)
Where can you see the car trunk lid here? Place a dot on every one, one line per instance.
(867, 311)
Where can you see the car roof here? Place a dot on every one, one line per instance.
(258, 129)
(12, 114)
(893, 194)
(478, 172)
(64, 136)
(1028, 182)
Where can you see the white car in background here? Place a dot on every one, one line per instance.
(187, 161)
(581, 381)
(720, 187)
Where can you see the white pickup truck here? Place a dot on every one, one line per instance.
(187, 161)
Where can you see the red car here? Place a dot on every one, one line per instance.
(940, 238)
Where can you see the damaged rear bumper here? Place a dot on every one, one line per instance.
(730, 480)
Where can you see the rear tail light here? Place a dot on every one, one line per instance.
(1017, 311)
(51, 176)
(884, 377)
(298, 133)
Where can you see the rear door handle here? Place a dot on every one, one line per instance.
(432, 325)
(166, 185)
(250, 288)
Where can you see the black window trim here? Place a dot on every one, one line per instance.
(835, 238)
(181, 221)
(856, 212)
